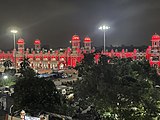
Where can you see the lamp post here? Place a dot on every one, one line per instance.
(10, 110)
(14, 45)
(104, 28)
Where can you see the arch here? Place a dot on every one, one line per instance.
(61, 65)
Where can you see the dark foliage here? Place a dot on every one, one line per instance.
(35, 94)
(119, 88)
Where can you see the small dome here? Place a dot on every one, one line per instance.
(87, 39)
(155, 37)
(37, 42)
(20, 41)
(75, 37)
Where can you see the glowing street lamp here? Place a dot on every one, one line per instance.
(5, 77)
(104, 28)
(14, 32)
(64, 91)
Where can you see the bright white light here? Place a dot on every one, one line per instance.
(5, 77)
(70, 96)
(14, 31)
(107, 27)
(104, 27)
(100, 27)
(64, 91)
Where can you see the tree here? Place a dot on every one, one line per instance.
(8, 82)
(35, 94)
(119, 89)
(25, 69)
(86, 64)
(25, 63)
(7, 64)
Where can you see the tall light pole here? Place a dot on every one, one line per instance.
(14, 38)
(104, 28)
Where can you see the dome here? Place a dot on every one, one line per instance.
(155, 37)
(20, 41)
(75, 37)
(87, 39)
(37, 41)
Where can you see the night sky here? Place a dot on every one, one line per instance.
(54, 22)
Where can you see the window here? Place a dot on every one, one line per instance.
(20, 46)
(155, 58)
(75, 44)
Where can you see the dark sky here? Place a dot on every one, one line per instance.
(54, 22)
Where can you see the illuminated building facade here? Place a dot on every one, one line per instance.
(58, 59)
(63, 58)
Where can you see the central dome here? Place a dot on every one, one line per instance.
(155, 37)
(87, 39)
(37, 41)
(75, 37)
(20, 41)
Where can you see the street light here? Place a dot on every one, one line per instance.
(104, 28)
(5, 77)
(64, 91)
(14, 38)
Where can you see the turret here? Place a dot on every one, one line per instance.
(155, 41)
(155, 49)
(75, 42)
(87, 44)
(20, 44)
(37, 44)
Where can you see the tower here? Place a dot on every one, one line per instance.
(37, 44)
(87, 44)
(75, 43)
(20, 44)
(155, 41)
(155, 48)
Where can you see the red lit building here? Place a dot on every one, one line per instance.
(41, 59)
(60, 59)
